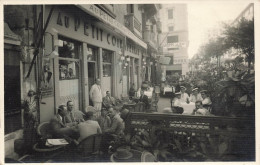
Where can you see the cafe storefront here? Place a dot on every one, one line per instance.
(78, 48)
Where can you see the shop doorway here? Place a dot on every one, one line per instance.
(91, 76)
(12, 91)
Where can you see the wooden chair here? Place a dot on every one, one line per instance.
(89, 148)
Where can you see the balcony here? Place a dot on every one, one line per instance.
(151, 38)
(159, 26)
(133, 24)
(151, 9)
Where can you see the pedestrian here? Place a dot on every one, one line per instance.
(96, 96)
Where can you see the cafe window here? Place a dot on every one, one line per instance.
(107, 63)
(92, 53)
(170, 28)
(68, 59)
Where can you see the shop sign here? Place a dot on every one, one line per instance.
(180, 61)
(165, 60)
(90, 30)
(94, 10)
(175, 45)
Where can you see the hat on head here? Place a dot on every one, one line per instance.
(195, 89)
(122, 154)
(203, 91)
(183, 87)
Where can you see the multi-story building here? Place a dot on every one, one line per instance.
(174, 38)
(59, 50)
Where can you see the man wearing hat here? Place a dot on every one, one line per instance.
(206, 102)
(184, 95)
(195, 96)
(177, 105)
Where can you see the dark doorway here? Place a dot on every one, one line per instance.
(91, 76)
(12, 91)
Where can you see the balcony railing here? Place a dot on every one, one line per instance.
(133, 24)
(224, 138)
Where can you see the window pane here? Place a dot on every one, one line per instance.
(68, 48)
(92, 53)
(68, 69)
(107, 56)
(170, 28)
(106, 70)
(170, 14)
(172, 39)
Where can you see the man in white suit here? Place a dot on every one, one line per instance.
(96, 96)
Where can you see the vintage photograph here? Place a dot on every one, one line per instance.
(141, 82)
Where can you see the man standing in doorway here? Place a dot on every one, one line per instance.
(96, 96)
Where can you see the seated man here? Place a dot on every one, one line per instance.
(195, 96)
(108, 100)
(200, 110)
(206, 102)
(117, 124)
(60, 125)
(177, 105)
(88, 127)
(74, 117)
(143, 98)
(104, 120)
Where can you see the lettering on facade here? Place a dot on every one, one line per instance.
(77, 23)
(59, 21)
(67, 21)
(93, 10)
(86, 28)
(96, 32)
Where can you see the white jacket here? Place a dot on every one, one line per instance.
(96, 93)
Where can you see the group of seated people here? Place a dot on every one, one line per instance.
(68, 124)
(109, 101)
(201, 99)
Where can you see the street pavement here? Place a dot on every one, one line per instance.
(164, 102)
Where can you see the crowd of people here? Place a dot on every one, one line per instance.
(106, 117)
(200, 98)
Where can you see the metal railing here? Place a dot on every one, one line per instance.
(237, 133)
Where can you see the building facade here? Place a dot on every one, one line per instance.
(58, 51)
(174, 39)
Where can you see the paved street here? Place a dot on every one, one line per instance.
(164, 102)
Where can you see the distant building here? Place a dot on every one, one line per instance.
(174, 38)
